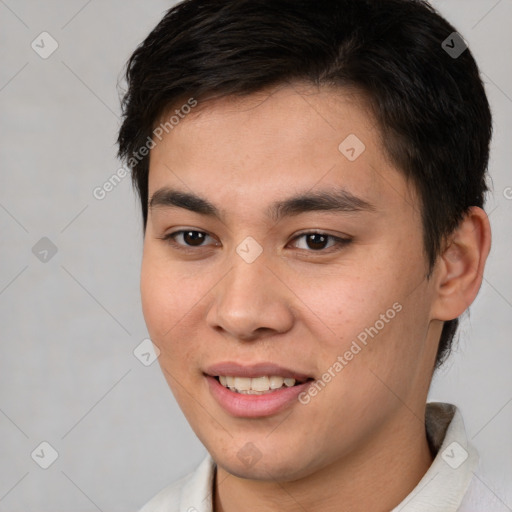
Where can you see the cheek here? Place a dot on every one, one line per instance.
(170, 297)
(374, 319)
(163, 300)
(155, 303)
(347, 302)
(163, 307)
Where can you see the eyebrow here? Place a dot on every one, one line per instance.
(335, 199)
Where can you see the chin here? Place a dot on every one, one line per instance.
(270, 468)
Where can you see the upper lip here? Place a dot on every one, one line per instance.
(232, 369)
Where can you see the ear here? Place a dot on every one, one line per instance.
(460, 267)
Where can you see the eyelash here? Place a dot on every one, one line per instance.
(340, 242)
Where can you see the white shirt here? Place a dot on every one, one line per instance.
(449, 485)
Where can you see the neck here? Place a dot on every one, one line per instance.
(389, 466)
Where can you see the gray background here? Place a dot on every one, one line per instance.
(69, 325)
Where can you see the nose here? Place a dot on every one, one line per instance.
(251, 302)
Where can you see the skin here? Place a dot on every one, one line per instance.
(300, 307)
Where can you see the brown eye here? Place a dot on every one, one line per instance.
(193, 238)
(316, 242)
(186, 238)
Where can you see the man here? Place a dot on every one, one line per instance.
(312, 177)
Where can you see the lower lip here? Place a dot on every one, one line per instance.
(253, 406)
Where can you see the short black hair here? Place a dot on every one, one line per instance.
(429, 102)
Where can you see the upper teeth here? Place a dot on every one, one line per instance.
(256, 385)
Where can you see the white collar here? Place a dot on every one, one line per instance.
(445, 483)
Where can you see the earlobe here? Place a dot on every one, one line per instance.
(461, 265)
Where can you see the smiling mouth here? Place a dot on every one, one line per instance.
(257, 385)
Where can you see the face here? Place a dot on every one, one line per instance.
(278, 246)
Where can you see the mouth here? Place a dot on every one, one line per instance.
(256, 390)
(261, 385)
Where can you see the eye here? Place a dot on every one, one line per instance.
(186, 238)
(319, 241)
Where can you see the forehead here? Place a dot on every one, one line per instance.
(246, 150)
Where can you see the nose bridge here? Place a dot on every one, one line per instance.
(250, 298)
